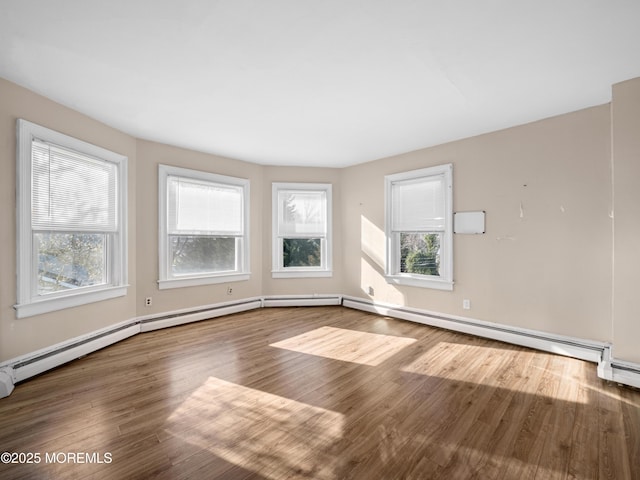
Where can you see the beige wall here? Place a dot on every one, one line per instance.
(25, 335)
(547, 269)
(545, 262)
(626, 161)
(150, 155)
(300, 286)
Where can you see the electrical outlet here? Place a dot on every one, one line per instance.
(371, 291)
(229, 290)
(148, 302)
(466, 304)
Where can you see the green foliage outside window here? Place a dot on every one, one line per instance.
(301, 252)
(420, 253)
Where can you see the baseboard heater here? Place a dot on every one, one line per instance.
(301, 300)
(619, 371)
(625, 374)
(598, 352)
(64, 353)
(148, 324)
(25, 367)
(38, 362)
(22, 368)
(590, 351)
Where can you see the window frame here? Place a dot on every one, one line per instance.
(326, 261)
(29, 302)
(392, 268)
(166, 280)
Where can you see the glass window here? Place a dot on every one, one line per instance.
(71, 216)
(419, 227)
(302, 230)
(204, 227)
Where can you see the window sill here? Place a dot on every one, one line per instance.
(52, 304)
(437, 284)
(302, 274)
(195, 281)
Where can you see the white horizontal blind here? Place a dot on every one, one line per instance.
(71, 191)
(302, 213)
(418, 204)
(197, 207)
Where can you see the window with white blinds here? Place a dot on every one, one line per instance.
(419, 227)
(302, 213)
(203, 227)
(71, 221)
(301, 229)
(71, 191)
(418, 204)
(204, 208)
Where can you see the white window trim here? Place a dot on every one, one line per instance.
(279, 271)
(392, 267)
(27, 303)
(166, 281)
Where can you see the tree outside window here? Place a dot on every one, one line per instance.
(301, 226)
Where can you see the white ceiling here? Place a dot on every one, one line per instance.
(324, 82)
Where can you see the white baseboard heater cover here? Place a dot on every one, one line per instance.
(301, 300)
(20, 369)
(29, 366)
(608, 368)
(179, 318)
(67, 352)
(584, 350)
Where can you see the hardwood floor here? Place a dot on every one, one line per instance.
(320, 393)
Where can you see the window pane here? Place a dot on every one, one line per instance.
(191, 254)
(198, 207)
(302, 213)
(420, 253)
(72, 191)
(302, 252)
(418, 204)
(70, 260)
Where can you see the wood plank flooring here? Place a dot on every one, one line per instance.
(320, 393)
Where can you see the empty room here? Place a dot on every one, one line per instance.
(323, 240)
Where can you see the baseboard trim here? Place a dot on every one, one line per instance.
(619, 371)
(608, 368)
(27, 366)
(625, 373)
(572, 347)
(68, 351)
(301, 300)
(172, 319)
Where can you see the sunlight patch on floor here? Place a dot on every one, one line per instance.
(430, 362)
(346, 345)
(503, 376)
(258, 431)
